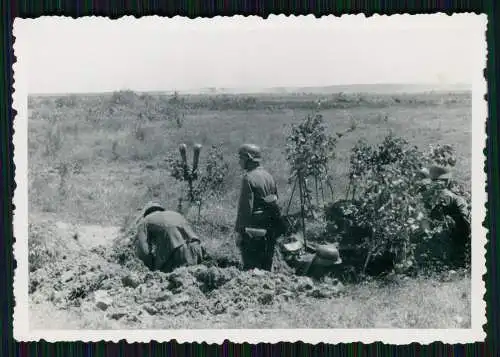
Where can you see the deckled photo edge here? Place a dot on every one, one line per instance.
(393, 336)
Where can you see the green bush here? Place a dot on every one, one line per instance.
(390, 205)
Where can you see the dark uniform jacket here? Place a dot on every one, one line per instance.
(256, 185)
(159, 235)
(456, 207)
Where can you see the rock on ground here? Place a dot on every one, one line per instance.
(113, 282)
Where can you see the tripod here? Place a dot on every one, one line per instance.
(306, 199)
(300, 181)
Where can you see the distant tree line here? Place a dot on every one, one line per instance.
(163, 103)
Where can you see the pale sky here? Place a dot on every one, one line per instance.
(63, 55)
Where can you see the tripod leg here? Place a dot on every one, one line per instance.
(291, 197)
(317, 191)
(329, 184)
(322, 191)
(302, 211)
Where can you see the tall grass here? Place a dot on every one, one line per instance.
(121, 144)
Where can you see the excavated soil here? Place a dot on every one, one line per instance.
(84, 273)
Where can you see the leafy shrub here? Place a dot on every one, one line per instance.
(141, 107)
(308, 152)
(443, 155)
(391, 204)
(208, 181)
(124, 97)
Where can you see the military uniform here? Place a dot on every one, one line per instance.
(257, 208)
(454, 206)
(165, 240)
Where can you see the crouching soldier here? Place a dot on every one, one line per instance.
(454, 206)
(259, 222)
(165, 240)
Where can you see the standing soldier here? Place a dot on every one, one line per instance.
(454, 206)
(165, 241)
(258, 211)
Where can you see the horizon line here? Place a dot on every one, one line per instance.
(316, 89)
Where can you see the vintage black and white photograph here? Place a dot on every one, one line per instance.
(282, 174)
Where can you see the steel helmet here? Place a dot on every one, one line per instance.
(439, 173)
(151, 207)
(251, 152)
(328, 253)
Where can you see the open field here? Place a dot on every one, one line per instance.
(94, 160)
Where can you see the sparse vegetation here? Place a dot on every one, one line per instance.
(97, 159)
(309, 153)
(205, 182)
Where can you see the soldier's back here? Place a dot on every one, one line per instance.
(170, 228)
(165, 219)
(262, 182)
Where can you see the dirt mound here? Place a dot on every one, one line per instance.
(52, 240)
(47, 243)
(111, 282)
(195, 291)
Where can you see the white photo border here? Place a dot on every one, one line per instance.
(390, 336)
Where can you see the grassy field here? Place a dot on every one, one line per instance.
(116, 162)
(95, 160)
